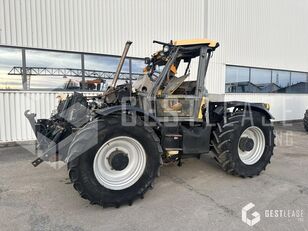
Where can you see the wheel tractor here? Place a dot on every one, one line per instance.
(306, 120)
(115, 143)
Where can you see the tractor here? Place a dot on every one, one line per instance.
(114, 143)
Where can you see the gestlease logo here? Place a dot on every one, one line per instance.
(256, 215)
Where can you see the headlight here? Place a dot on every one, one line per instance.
(267, 106)
(166, 48)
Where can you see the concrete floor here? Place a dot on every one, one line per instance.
(197, 196)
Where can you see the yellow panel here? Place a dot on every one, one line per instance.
(203, 101)
(211, 43)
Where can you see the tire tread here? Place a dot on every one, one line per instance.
(222, 143)
(74, 165)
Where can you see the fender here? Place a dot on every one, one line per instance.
(75, 149)
(220, 107)
(127, 108)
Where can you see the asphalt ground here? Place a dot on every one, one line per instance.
(196, 196)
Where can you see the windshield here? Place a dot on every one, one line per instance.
(155, 66)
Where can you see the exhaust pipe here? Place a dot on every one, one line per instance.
(119, 68)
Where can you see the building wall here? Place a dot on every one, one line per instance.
(261, 33)
(101, 26)
(14, 127)
(266, 34)
(283, 106)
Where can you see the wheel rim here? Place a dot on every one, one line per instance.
(252, 156)
(126, 175)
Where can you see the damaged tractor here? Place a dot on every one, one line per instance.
(115, 143)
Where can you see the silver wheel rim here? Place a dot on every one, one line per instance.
(253, 156)
(114, 179)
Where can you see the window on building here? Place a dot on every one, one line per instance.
(237, 79)
(298, 77)
(10, 59)
(138, 66)
(62, 70)
(103, 63)
(237, 74)
(53, 70)
(299, 83)
(262, 80)
(282, 78)
(106, 66)
(45, 69)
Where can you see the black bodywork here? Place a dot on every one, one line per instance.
(54, 135)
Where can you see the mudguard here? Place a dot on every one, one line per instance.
(91, 127)
(219, 108)
(126, 108)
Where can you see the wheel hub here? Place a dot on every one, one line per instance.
(251, 145)
(118, 160)
(119, 163)
(246, 144)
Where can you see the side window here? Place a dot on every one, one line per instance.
(175, 107)
(182, 80)
(179, 91)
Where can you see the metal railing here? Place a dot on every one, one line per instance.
(45, 71)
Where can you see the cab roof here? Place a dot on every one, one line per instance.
(190, 42)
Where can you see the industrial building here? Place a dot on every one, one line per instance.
(262, 55)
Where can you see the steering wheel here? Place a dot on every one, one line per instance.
(154, 76)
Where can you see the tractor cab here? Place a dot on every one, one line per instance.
(169, 90)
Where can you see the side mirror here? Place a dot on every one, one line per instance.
(147, 60)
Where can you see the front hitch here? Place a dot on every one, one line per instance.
(51, 151)
(36, 126)
(50, 148)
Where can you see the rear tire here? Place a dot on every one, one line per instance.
(97, 186)
(243, 143)
(306, 121)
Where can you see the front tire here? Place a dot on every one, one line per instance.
(120, 167)
(243, 143)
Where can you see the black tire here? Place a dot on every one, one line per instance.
(306, 121)
(226, 138)
(80, 165)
